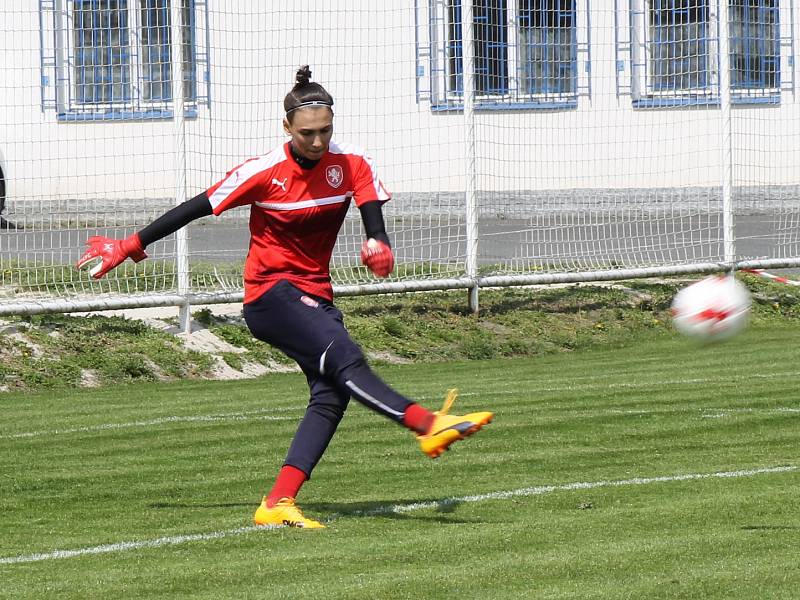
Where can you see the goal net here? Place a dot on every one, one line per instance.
(523, 141)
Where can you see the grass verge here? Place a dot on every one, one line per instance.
(54, 351)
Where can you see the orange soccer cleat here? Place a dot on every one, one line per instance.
(447, 429)
(285, 513)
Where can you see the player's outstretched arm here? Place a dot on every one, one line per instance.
(104, 254)
(376, 251)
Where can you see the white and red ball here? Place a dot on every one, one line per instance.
(713, 309)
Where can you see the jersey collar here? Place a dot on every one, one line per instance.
(301, 161)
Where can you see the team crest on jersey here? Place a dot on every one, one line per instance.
(334, 176)
(309, 301)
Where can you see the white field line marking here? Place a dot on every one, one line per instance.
(125, 546)
(513, 388)
(243, 416)
(727, 412)
(396, 508)
(705, 413)
(504, 387)
(547, 489)
(264, 415)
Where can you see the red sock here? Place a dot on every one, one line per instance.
(287, 484)
(418, 419)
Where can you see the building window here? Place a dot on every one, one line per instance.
(101, 43)
(156, 58)
(678, 51)
(490, 47)
(674, 50)
(525, 54)
(113, 58)
(754, 45)
(548, 47)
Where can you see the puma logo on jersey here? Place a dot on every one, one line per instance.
(282, 184)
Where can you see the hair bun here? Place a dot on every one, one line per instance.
(303, 75)
(305, 93)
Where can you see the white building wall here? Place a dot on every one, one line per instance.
(364, 52)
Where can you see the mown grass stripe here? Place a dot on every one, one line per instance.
(396, 508)
(262, 415)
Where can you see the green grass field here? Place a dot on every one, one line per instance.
(654, 469)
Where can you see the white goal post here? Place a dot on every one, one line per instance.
(524, 141)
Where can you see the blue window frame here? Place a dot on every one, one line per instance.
(491, 47)
(525, 54)
(102, 57)
(548, 47)
(156, 56)
(156, 59)
(679, 32)
(674, 45)
(112, 59)
(490, 43)
(755, 52)
(455, 49)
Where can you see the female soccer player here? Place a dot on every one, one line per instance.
(298, 196)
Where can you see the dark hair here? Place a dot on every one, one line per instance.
(305, 93)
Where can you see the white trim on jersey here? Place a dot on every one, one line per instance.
(344, 148)
(243, 172)
(302, 204)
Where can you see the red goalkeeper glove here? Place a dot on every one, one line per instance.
(377, 256)
(109, 253)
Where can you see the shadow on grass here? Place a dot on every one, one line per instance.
(390, 509)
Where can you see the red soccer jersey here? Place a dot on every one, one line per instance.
(296, 214)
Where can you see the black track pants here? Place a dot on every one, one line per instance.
(311, 331)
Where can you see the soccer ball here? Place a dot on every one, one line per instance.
(712, 309)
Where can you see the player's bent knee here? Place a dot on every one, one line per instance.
(335, 361)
